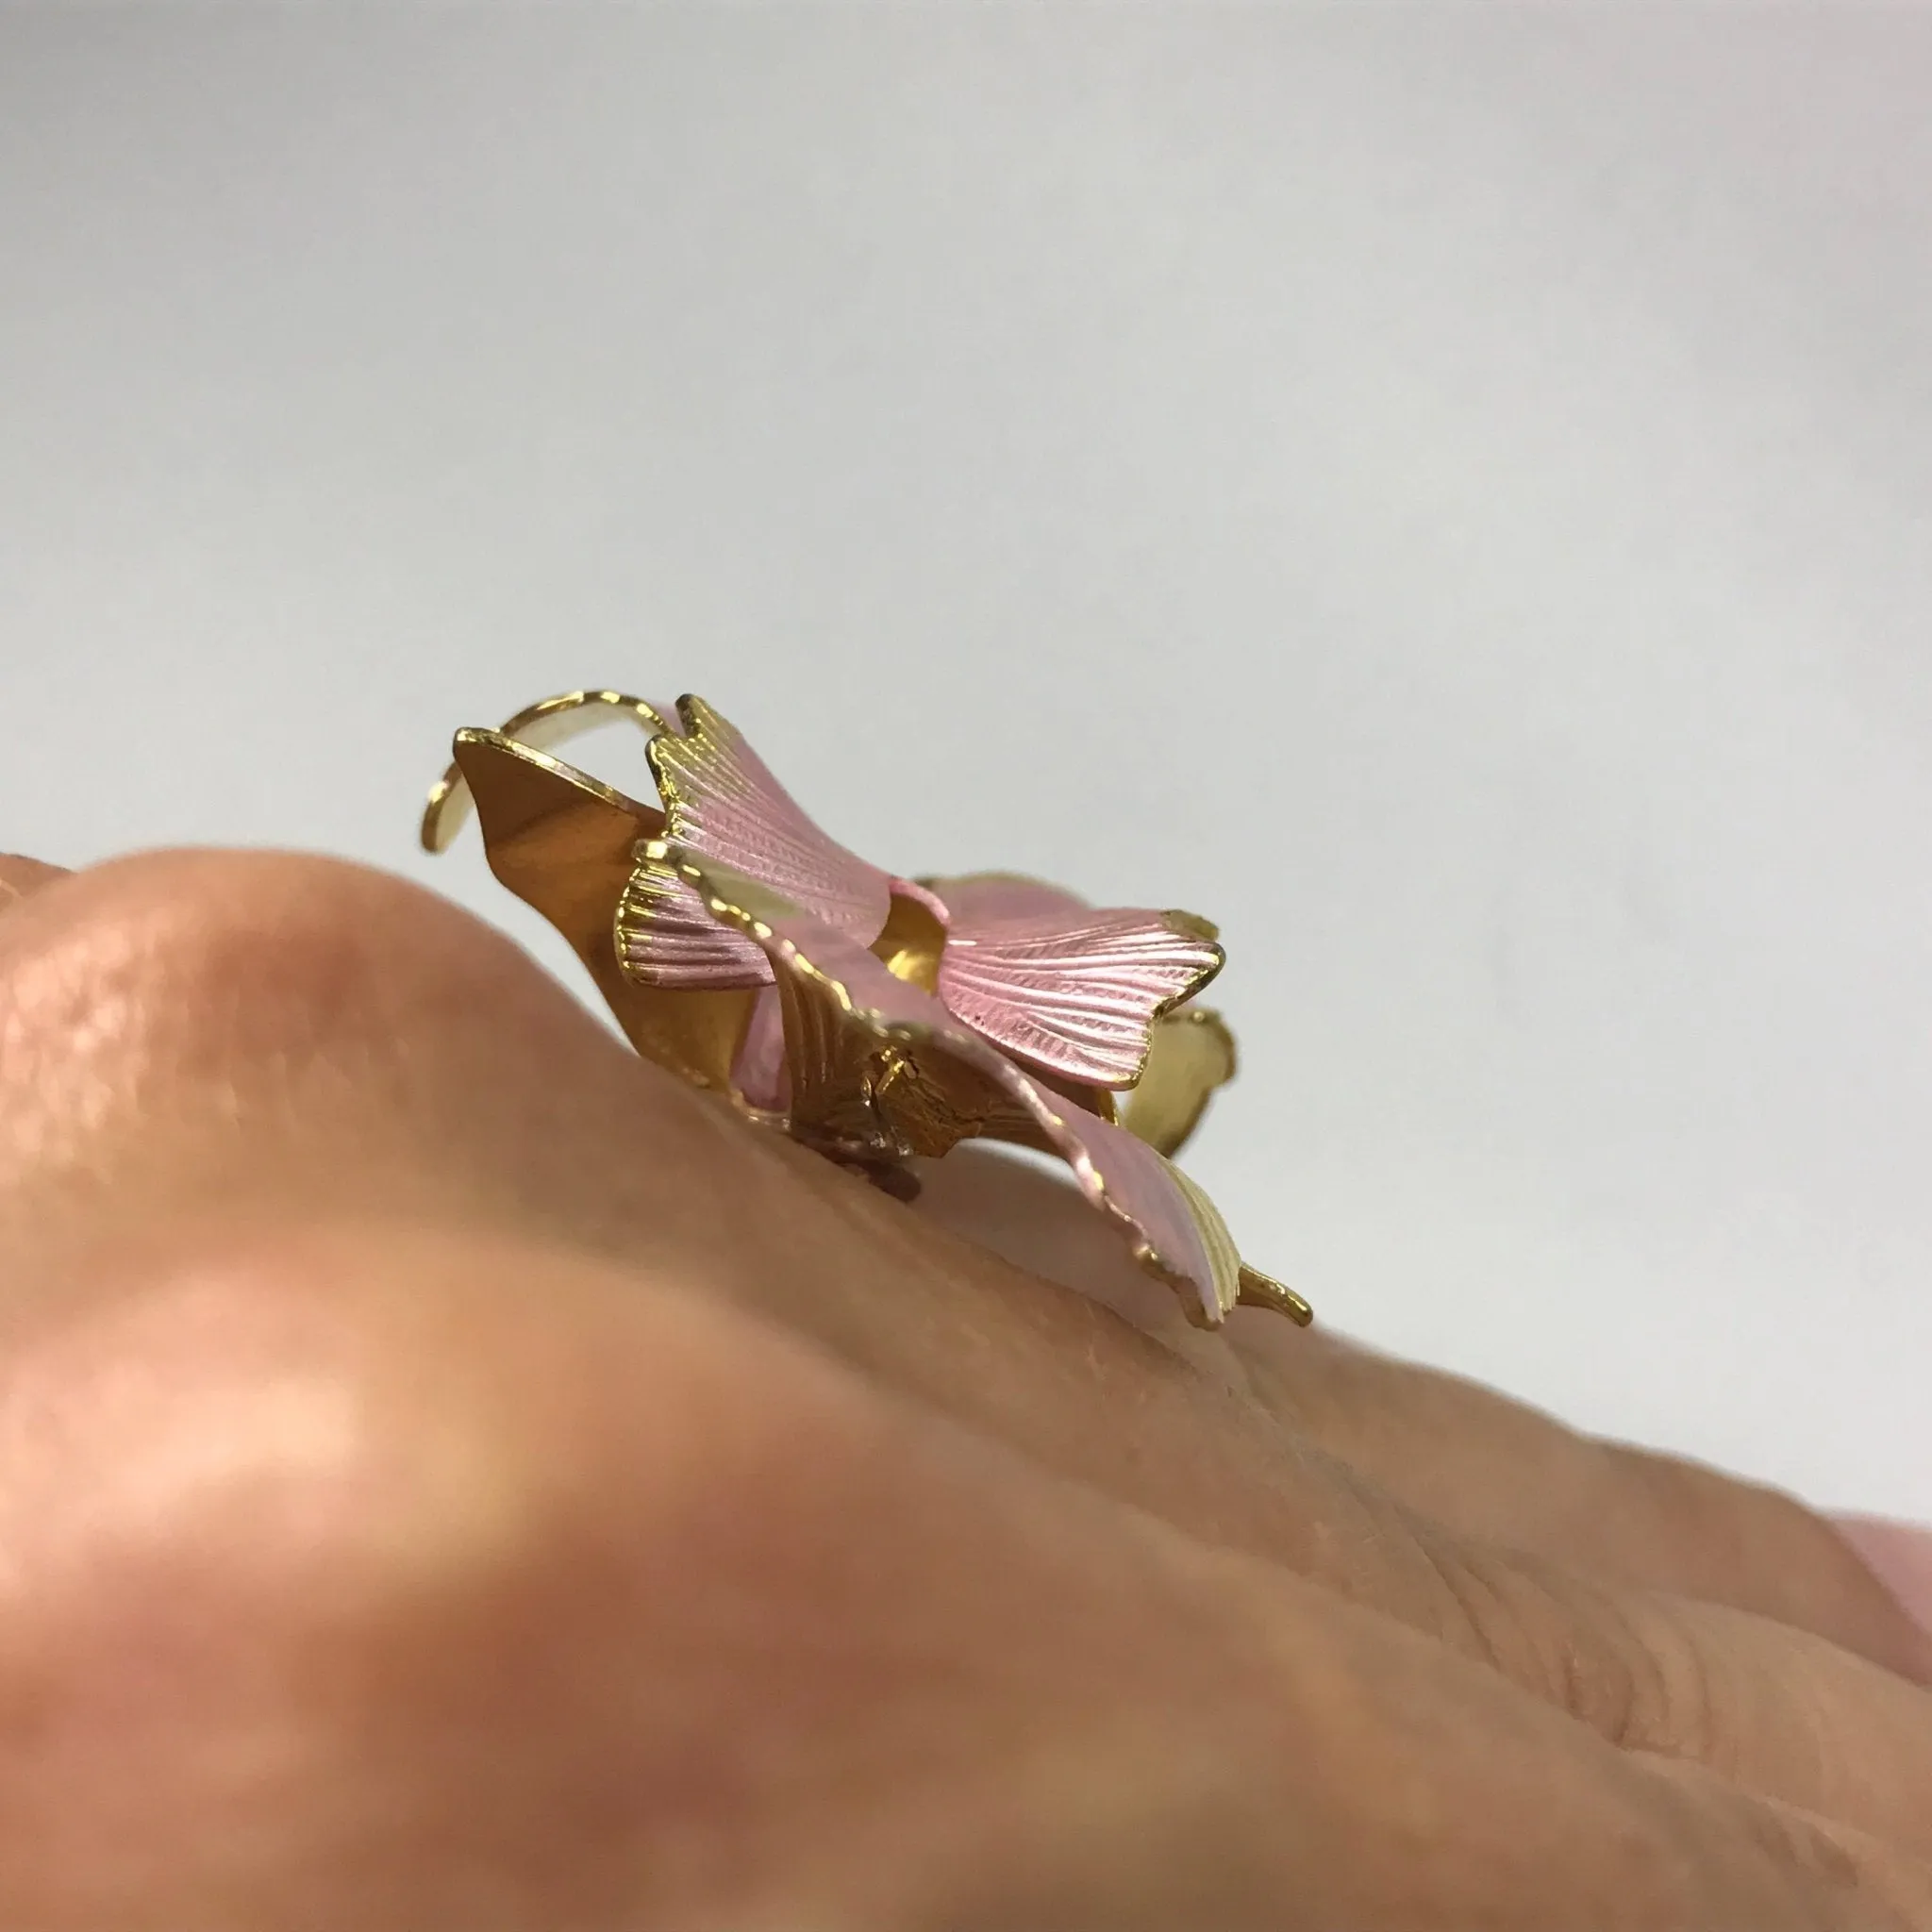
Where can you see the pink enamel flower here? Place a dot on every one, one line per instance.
(876, 1018)
(1069, 992)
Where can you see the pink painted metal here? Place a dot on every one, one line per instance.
(666, 938)
(1072, 990)
(1075, 993)
(864, 1026)
(721, 800)
(1172, 1227)
(761, 1071)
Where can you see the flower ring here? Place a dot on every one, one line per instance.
(873, 1018)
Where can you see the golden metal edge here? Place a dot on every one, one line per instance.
(448, 805)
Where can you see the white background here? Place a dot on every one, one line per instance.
(1445, 494)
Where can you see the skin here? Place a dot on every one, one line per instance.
(452, 1476)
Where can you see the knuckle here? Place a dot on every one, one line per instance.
(1820, 1869)
(337, 1420)
(232, 1448)
(200, 1036)
(1634, 1669)
(1728, 1540)
(160, 1008)
(269, 1534)
(191, 958)
(1804, 1847)
(1595, 1654)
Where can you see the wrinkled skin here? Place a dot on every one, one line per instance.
(451, 1475)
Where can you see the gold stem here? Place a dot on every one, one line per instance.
(1260, 1290)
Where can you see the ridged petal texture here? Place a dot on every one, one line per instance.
(1173, 1229)
(722, 804)
(665, 937)
(1070, 990)
(721, 800)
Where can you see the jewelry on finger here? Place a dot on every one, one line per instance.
(871, 1016)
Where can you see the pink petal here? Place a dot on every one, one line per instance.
(759, 1072)
(1175, 1230)
(666, 938)
(1075, 993)
(722, 804)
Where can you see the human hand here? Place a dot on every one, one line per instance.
(453, 1475)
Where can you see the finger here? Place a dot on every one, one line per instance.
(269, 1038)
(406, 1581)
(1499, 1469)
(1901, 1553)
(1779, 1712)
(249, 1036)
(1895, 1889)
(1474, 1460)
(1792, 1717)
(19, 876)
